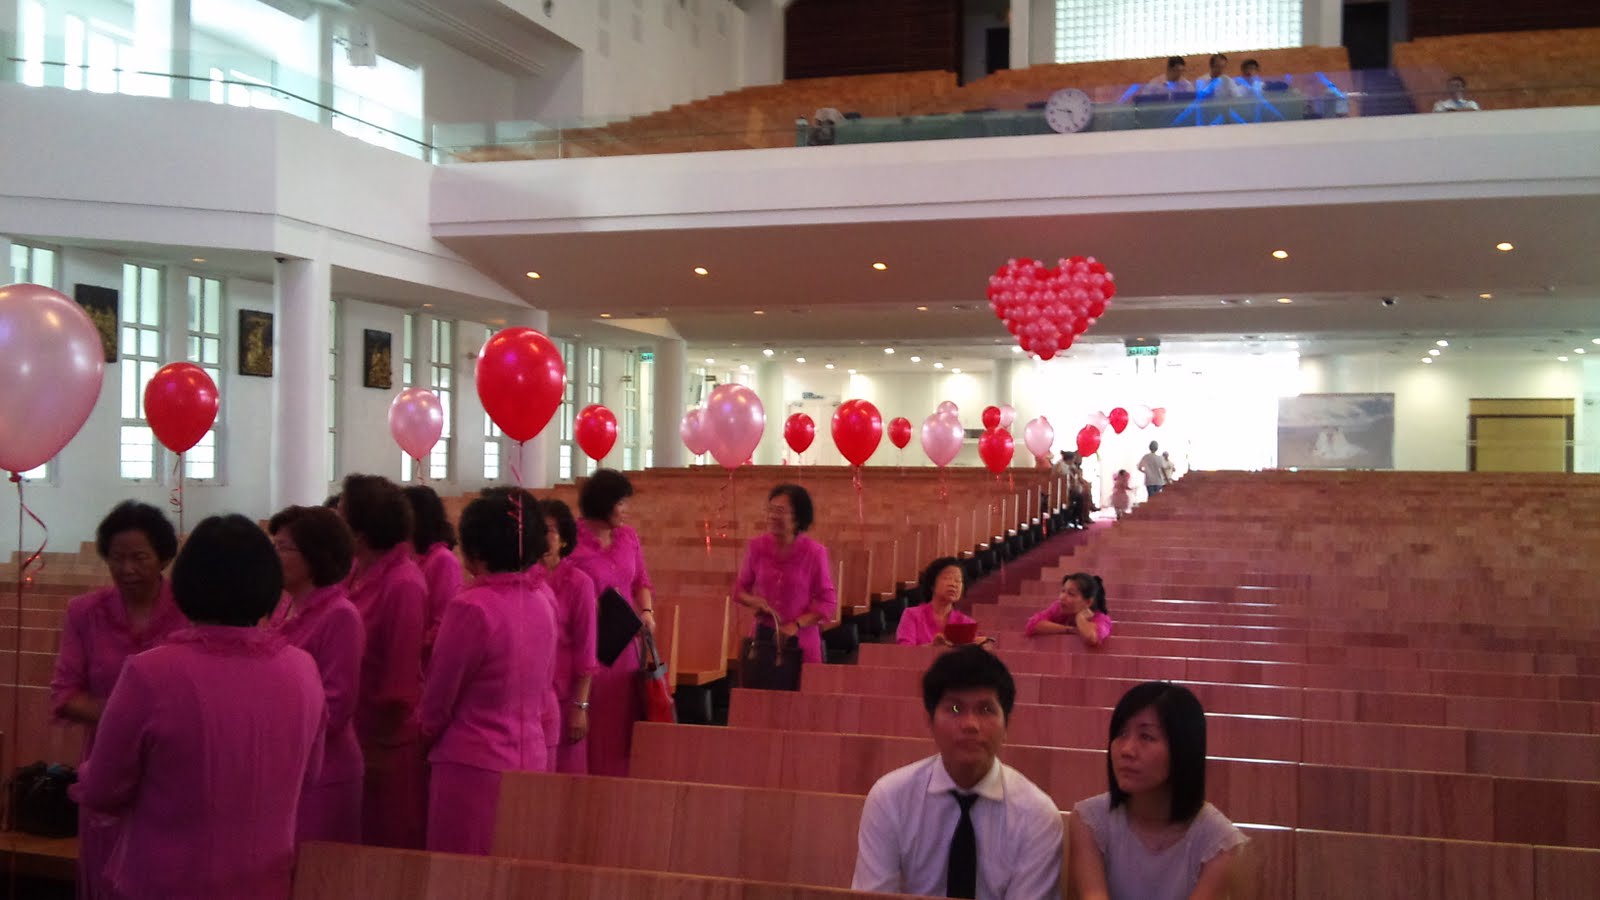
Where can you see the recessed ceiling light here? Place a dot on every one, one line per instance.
(1485, 296)
(922, 309)
(1428, 359)
(919, 359)
(1016, 349)
(1595, 341)
(1561, 359)
(768, 352)
(938, 365)
(828, 366)
(1285, 300)
(1441, 343)
(745, 367)
(1579, 350)
(701, 270)
(605, 315)
(1280, 254)
(427, 306)
(956, 370)
(1434, 352)
(534, 275)
(888, 351)
(758, 312)
(799, 359)
(850, 371)
(710, 361)
(1504, 246)
(880, 266)
(198, 259)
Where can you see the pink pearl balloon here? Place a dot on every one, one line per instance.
(733, 422)
(52, 363)
(416, 420)
(692, 430)
(941, 438)
(1039, 436)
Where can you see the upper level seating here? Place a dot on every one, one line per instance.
(1505, 70)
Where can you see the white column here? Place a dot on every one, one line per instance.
(5, 240)
(421, 351)
(769, 387)
(762, 61)
(670, 400)
(1586, 426)
(1021, 17)
(195, 87)
(301, 293)
(10, 45)
(536, 461)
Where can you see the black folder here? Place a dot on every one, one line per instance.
(616, 626)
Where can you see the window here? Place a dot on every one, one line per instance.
(141, 357)
(441, 374)
(494, 443)
(203, 347)
(565, 413)
(34, 265)
(1089, 30)
(333, 391)
(236, 88)
(408, 350)
(591, 393)
(630, 407)
(32, 43)
(379, 104)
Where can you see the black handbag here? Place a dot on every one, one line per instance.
(39, 801)
(769, 662)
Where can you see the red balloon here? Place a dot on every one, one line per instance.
(799, 431)
(991, 417)
(857, 430)
(596, 431)
(520, 379)
(1158, 416)
(900, 432)
(996, 448)
(1088, 440)
(180, 403)
(1118, 419)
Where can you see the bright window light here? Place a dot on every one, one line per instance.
(1089, 30)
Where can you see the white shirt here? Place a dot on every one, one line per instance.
(1154, 468)
(1227, 88)
(1454, 105)
(909, 817)
(1160, 85)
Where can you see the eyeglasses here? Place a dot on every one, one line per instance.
(983, 709)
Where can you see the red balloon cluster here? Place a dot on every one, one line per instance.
(1046, 309)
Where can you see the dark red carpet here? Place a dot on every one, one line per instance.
(1028, 566)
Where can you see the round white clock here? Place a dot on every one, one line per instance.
(1069, 111)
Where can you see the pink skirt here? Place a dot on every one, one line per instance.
(330, 812)
(394, 800)
(461, 808)
(614, 705)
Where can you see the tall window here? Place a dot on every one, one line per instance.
(33, 40)
(236, 88)
(630, 407)
(379, 104)
(141, 357)
(408, 351)
(34, 265)
(494, 443)
(203, 347)
(333, 391)
(441, 373)
(1089, 30)
(591, 393)
(565, 413)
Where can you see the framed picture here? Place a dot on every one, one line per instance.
(255, 343)
(1336, 431)
(101, 305)
(377, 366)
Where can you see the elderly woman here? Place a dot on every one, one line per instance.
(484, 704)
(315, 549)
(388, 590)
(784, 577)
(609, 553)
(104, 627)
(575, 663)
(943, 584)
(207, 740)
(435, 544)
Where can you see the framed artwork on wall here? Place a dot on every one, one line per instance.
(255, 343)
(101, 305)
(377, 362)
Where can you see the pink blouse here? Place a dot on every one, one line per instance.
(98, 638)
(794, 581)
(329, 628)
(487, 693)
(1057, 613)
(918, 627)
(203, 747)
(620, 567)
(441, 570)
(575, 626)
(391, 596)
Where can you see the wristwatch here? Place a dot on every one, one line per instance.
(581, 704)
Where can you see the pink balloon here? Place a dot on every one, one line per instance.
(1008, 415)
(51, 366)
(1140, 416)
(1100, 421)
(948, 408)
(732, 423)
(416, 420)
(1038, 435)
(692, 430)
(941, 438)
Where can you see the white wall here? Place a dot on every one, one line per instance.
(455, 86)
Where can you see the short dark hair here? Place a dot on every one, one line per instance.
(1090, 587)
(599, 496)
(1217, 56)
(1154, 446)
(490, 527)
(429, 524)
(931, 574)
(1249, 64)
(227, 574)
(333, 501)
(1455, 78)
(1183, 720)
(800, 500)
(376, 510)
(1176, 61)
(566, 527)
(131, 515)
(323, 539)
(967, 668)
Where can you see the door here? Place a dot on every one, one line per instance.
(997, 50)
(1520, 436)
(1366, 35)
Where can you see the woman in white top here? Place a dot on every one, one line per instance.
(1153, 836)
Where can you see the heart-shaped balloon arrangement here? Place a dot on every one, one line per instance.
(1046, 309)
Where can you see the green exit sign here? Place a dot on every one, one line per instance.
(1144, 351)
(647, 356)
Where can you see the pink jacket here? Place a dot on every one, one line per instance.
(204, 748)
(620, 566)
(391, 596)
(441, 571)
(488, 688)
(575, 626)
(329, 628)
(1057, 613)
(98, 638)
(793, 582)
(918, 628)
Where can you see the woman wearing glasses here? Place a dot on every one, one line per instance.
(784, 577)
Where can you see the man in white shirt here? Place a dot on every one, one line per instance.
(1457, 101)
(1154, 470)
(1217, 85)
(1173, 82)
(961, 823)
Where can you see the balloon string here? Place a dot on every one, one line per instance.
(175, 500)
(23, 579)
(516, 476)
(861, 504)
(422, 470)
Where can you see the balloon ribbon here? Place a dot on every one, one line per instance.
(861, 506)
(23, 578)
(175, 500)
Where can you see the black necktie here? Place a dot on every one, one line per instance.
(962, 877)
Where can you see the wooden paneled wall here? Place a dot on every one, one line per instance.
(854, 37)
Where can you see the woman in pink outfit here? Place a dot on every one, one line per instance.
(575, 641)
(784, 577)
(1080, 610)
(609, 553)
(315, 548)
(435, 543)
(208, 740)
(388, 590)
(484, 704)
(104, 627)
(922, 625)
